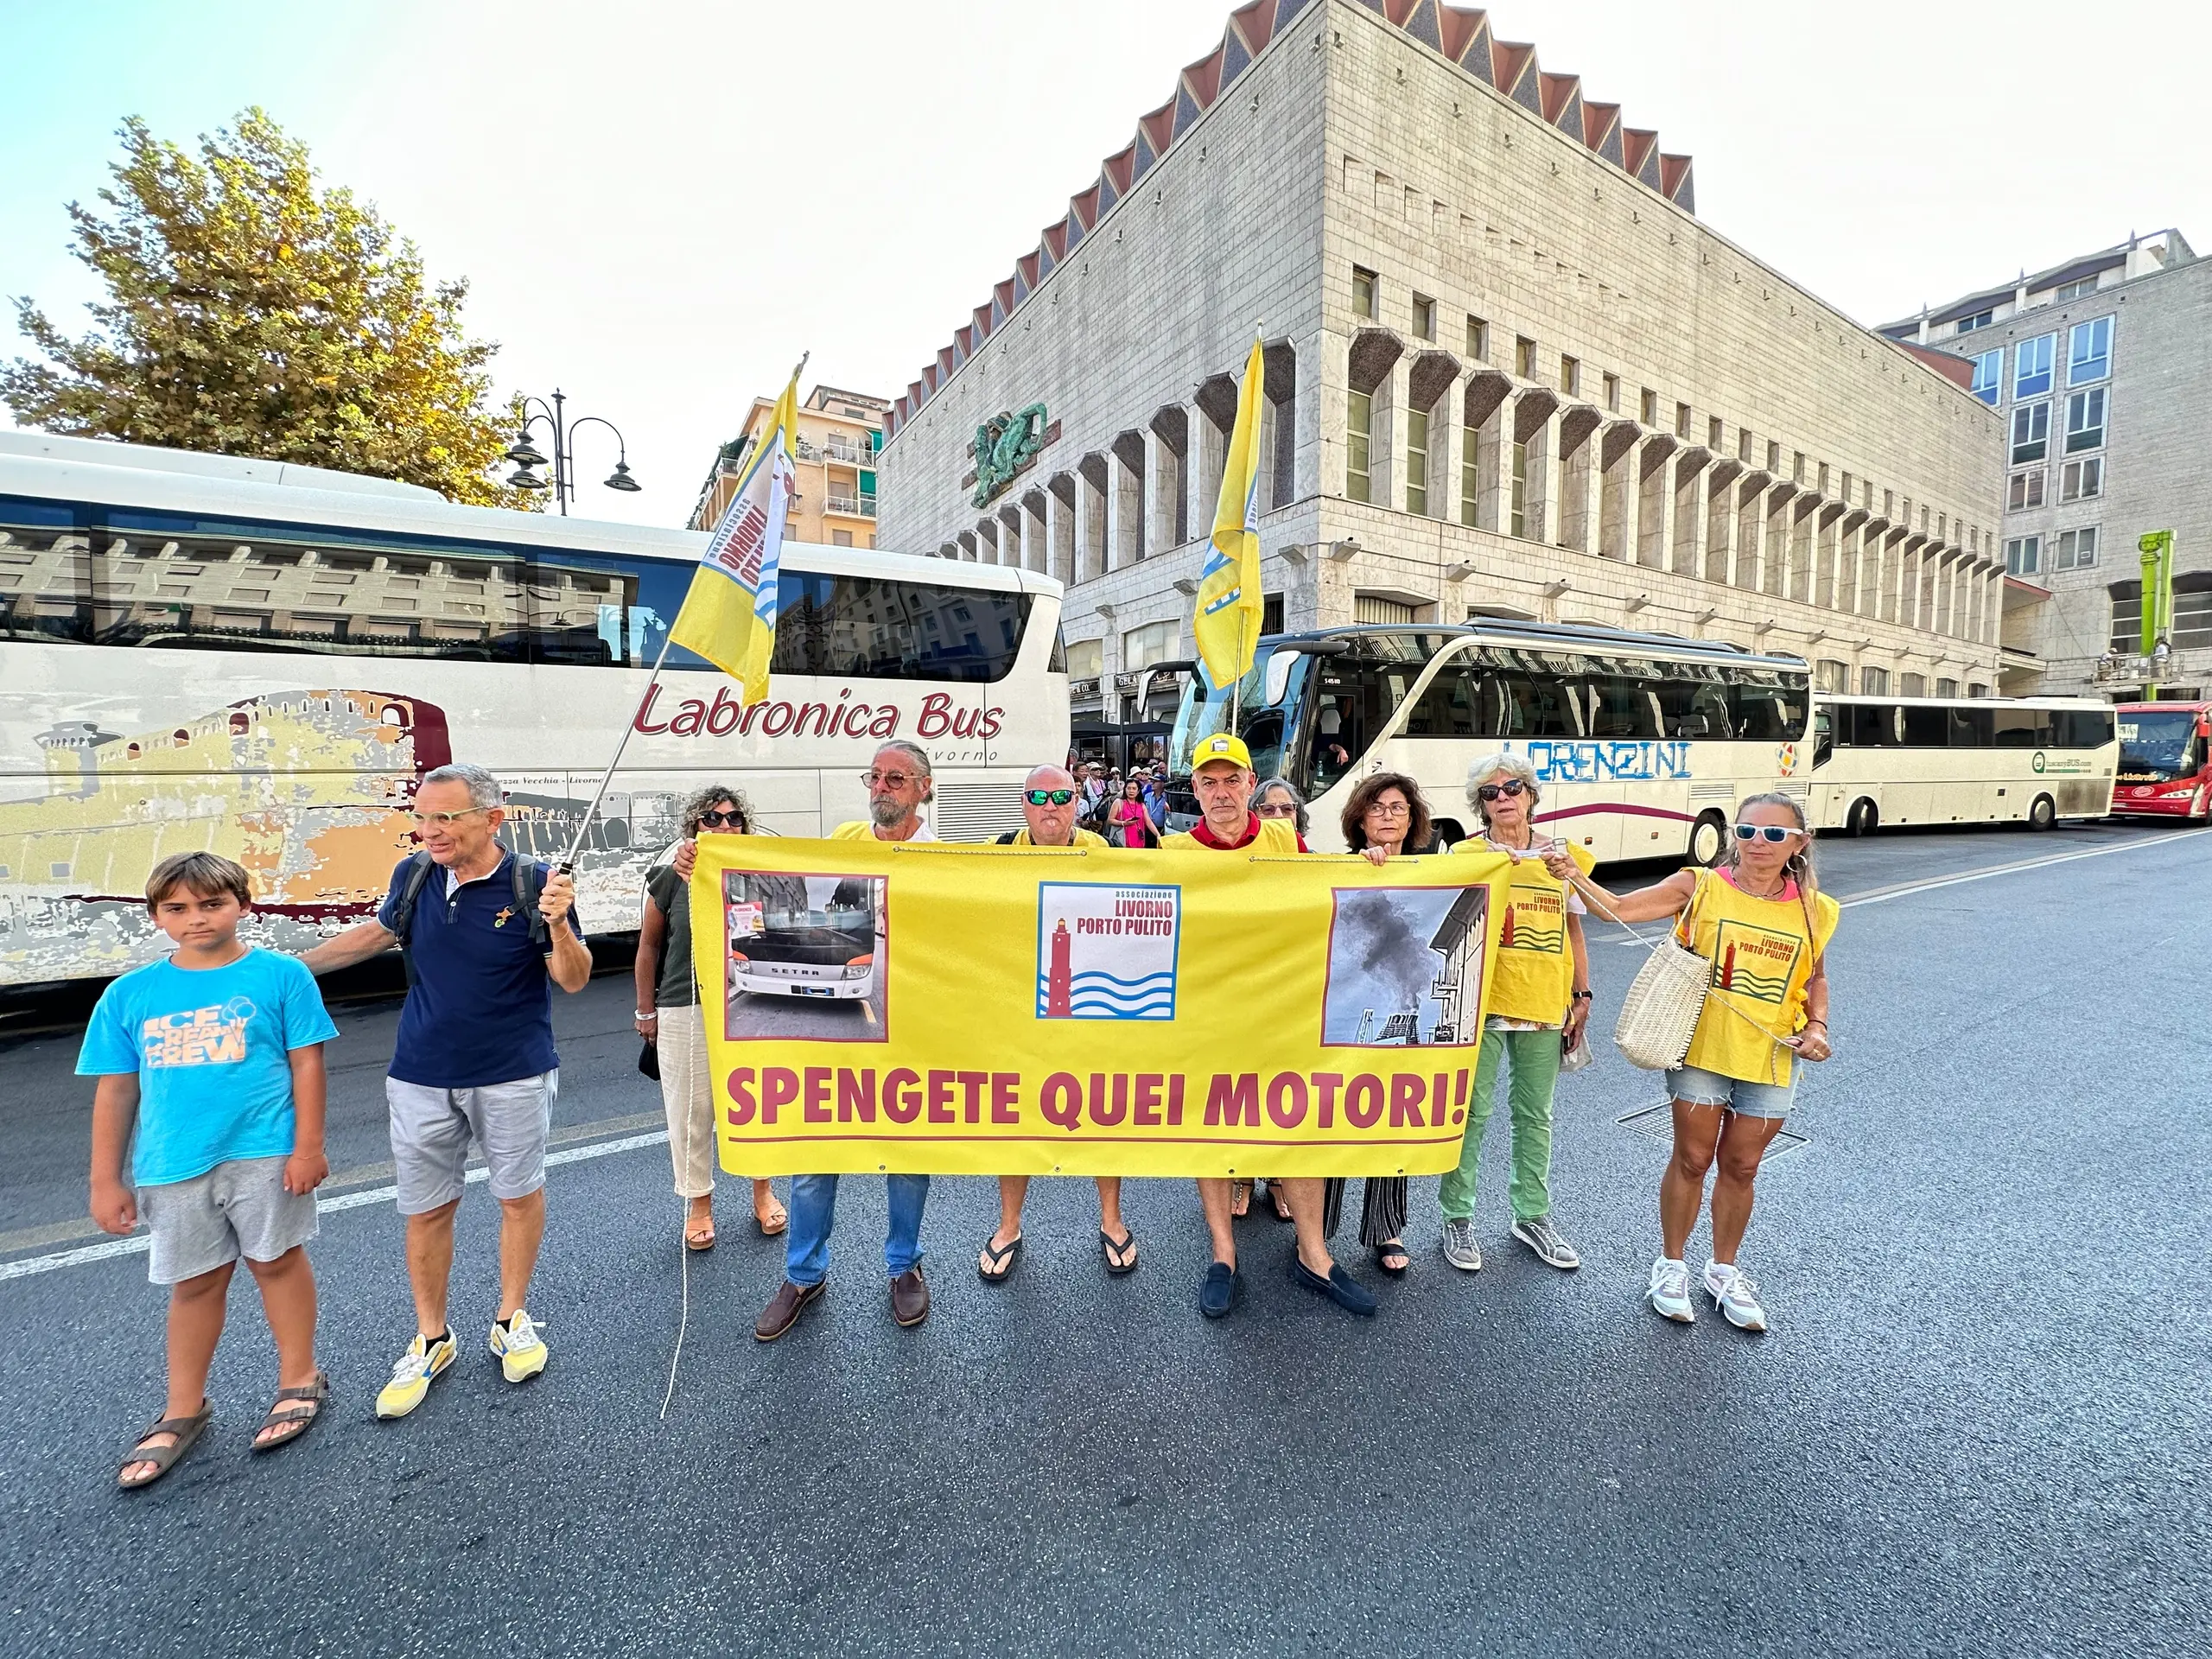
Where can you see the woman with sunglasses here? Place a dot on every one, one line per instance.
(1539, 1004)
(1760, 920)
(1385, 818)
(668, 1017)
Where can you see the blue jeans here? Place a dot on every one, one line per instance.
(814, 1212)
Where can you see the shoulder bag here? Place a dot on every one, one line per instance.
(1659, 1015)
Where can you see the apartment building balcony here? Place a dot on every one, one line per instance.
(846, 454)
(853, 506)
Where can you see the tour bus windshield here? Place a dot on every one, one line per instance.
(1261, 722)
(2156, 747)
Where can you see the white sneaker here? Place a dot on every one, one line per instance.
(1735, 1296)
(1669, 1292)
(1461, 1248)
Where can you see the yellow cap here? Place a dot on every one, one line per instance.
(1221, 746)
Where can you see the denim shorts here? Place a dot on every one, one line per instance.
(1702, 1088)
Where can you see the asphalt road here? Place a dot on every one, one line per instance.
(1978, 1428)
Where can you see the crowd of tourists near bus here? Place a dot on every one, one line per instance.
(211, 1061)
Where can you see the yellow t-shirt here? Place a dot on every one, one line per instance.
(1533, 976)
(1083, 838)
(1762, 962)
(862, 829)
(1277, 837)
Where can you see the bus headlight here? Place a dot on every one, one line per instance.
(860, 967)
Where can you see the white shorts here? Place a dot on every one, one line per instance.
(432, 1129)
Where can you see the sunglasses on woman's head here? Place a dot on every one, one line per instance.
(1774, 832)
(1051, 796)
(1491, 792)
(730, 820)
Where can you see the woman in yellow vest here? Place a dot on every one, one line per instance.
(1539, 1003)
(1761, 920)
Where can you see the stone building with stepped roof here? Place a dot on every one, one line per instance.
(1509, 373)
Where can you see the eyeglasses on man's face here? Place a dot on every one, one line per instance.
(444, 820)
(731, 819)
(1511, 786)
(1775, 833)
(1051, 796)
(876, 779)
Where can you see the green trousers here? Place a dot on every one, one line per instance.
(1533, 1058)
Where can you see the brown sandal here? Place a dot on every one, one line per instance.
(293, 1420)
(700, 1239)
(770, 1229)
(187, 1431)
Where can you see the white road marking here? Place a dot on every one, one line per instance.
(1883, 895)
(138, 1242)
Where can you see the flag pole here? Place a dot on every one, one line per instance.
(1245, 645)
(583, 829)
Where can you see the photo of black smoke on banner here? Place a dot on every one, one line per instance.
(803, 956)
(1406, 967)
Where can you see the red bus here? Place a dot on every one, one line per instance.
(2166, 760)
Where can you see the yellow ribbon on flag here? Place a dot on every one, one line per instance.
(1230, 604)
(927, 1008)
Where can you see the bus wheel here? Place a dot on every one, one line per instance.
(1448, 834)
(2043, 813)
(1864, 818)
(1709, 840)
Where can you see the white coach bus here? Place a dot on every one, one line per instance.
(1645, 742)
(1921, 760)
(205, 653)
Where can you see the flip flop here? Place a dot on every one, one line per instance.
(291, 1424)
(1121, 1253)
(187, 1431)
(997, 1262)
(1280, 1205)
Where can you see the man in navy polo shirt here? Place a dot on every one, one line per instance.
(474, 1057)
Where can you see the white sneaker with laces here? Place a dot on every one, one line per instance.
(1735, 1296)
(521, 1350)
(1669, 1291)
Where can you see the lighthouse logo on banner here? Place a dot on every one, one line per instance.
(1106, 950)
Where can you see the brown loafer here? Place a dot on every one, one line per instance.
(784, 1309)
(910, 1297)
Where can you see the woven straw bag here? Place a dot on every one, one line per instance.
(1659, 1014)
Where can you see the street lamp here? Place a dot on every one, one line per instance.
(526, 455)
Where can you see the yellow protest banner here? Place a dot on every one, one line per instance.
(933, 1009)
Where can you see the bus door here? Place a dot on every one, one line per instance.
(1439, 735)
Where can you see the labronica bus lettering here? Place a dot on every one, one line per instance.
(845, 717)
(1597, 762)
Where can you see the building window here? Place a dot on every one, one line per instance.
(1470, 472)
(1359, 418)
(1873, 682)
(1797, 466)
(1516, 516)
(1647, 407)
(1682, 423)
(2025, 491)
(1424, 316)
(841, 538)
(1773, 456)
(1989, 376)
(2031, 432)
(2032, 365)
(1086, 658)
(1570, 377)
(2022, 555)
(2082, 481)
(2127, 625)
(1362, 293)
(2073, 550)
(1715, 436)
(1478, 339)
(1912, 685)
(1417, 463)
(1613, 393)
(2074, 290)
(1372, 608)
(1829, 675)
(1979, 320)
(2088, 352)
(1271, 614)
(2085, 420)
(2192, 621)
(1155, 642)
(1744, 444)
(1945, 687)
(1524, 357)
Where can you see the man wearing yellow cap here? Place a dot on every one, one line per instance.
(1222, 778)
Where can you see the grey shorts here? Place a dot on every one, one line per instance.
(432, 1129)
(236, 1208)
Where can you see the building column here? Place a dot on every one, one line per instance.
(1687, 503)
(1205, 451)
(1163, 490)
(1059, 525)
(1032, 537)
(1542, 493)
(1318, 414)
(1719, 528)
(1447, 447)
(1386, 437)
(1124, 496)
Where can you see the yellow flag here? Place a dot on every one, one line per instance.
(730, 615)
(1229, 602)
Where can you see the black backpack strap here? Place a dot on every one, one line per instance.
(403, 919)
(1005, 840)
(530, 883)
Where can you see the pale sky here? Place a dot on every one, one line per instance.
(660, 206)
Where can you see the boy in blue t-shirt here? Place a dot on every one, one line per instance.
(217, 1053)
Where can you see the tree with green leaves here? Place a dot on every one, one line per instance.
(249, 312)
